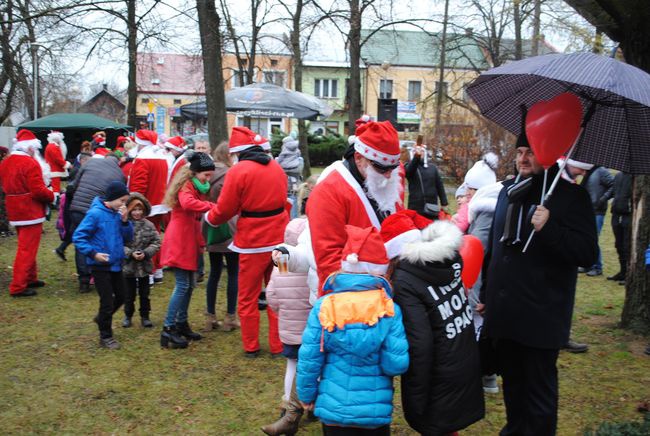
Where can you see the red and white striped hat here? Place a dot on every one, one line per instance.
(243, 138)
(364, 251)
(25, 140)
(402, 228)
(378, 142)
(175, 143)
(146, 137)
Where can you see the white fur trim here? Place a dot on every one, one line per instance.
(237, 249)
(159, 209)
(172, 146)
(59, 174)
(26, 145)
(351, 139)
(242, 147)
(364, 267)
(352, 258)
(143, 142)
(27, 222)
(395, 246)
(484, 200)
(349, 178)
(266, 146)
(257, 138)
(582, 165)
(152, 152)
(492, 160)
(370, 153)
(440, 241)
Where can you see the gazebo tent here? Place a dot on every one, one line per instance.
(76, 128)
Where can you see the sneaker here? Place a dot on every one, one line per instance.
(36, 284)
(146, 322)
(582, 270)
(60, 253)
(84, 288)
(619, 276)
(158, 276)
(594, 272)
(126, 322)
(252, 354)
(575, 347)
(200, 278)
(490, 385)
(109, 343)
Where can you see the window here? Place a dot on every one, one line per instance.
(235, 78)
(326, 88)
(155, 81)
(274, 77)
(274, 62)
(445, 89)
(145, 100)
(415, 90)
(177, 101)
(385, 88)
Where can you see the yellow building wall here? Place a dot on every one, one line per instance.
(456, 79)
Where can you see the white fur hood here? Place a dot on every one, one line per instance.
(440, 241)
(484, 200)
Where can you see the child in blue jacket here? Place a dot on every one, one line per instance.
(100, 237)
(354, 343)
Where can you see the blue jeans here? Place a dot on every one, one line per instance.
(600, 219)
(216, 266)
(180, 300)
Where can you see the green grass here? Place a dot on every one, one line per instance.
(55, 379)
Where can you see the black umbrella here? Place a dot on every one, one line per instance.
(615, 97)
(265, 100)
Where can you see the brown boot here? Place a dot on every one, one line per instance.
(288, 424)
(210, 322)
(229, 323)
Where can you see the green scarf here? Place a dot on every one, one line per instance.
(202, 187)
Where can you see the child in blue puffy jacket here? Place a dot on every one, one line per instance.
(100, 237)
(354, 343)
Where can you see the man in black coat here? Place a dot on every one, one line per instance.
(529, 296)
(425, 185)
(621, 220)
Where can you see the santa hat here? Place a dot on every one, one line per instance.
(401, 228)
(359, 122)
(378, 142)
(100, 137)
(243, 138)
(146, 137)
(25, 140)
(175, 143)
(576, 163)
(55, 136)
(482, 174)
(364, 251)
(120, 140)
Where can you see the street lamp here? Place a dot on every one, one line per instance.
(35, 46)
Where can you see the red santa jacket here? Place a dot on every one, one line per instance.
(177, 165)
(54, 157)
(149, 177)
(251, 189)
(335, 201)
(183, 238)
(26, 196)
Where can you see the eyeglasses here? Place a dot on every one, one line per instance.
(382, 169)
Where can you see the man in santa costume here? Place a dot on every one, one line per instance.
(148, 177)
(177, 153)
(256, 190)
(26, 198)
(55, 154)
(360, 190)
(99, 144)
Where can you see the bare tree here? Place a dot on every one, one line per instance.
(209, 22)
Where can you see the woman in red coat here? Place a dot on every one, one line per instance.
(183, 244)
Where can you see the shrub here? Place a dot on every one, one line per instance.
(628, 428)
(323, 149)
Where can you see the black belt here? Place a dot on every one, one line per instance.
(263, 214)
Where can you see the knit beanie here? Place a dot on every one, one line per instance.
(201, 162)
(115, 190)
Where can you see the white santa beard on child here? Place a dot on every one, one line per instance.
(385, 191)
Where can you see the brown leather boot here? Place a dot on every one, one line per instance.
(229, 323)
(288, 424)
(210, 322)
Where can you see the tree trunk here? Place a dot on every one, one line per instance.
(132, 89)
(297, 77)
(516, 13)
(537, 18)
(212, 71)
(441, 68)
(354, 51)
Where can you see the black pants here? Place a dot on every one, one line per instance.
(137, 286)
(110, 287)
(622, 235)
(530, 388)
(333, 430)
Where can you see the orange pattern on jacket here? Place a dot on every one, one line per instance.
(367, 307)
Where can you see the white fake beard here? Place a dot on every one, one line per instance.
(64, 149)
(45, 167)
(384, 191)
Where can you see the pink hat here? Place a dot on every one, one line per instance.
(378, 142)
(146, 137)
(402, 228)
(243, 138)
(175, 143)
(25, 140)
(364, 251)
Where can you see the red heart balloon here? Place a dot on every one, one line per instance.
(553, 126)
(472, 253)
